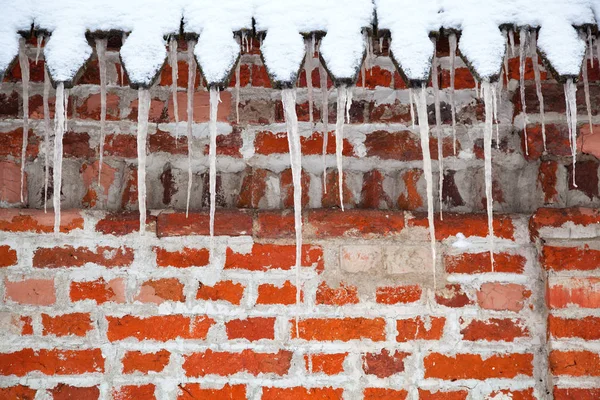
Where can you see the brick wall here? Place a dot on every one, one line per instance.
(97, 311)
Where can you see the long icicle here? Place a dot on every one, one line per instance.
(538, 83)
(495, 112)
(453, 44)
(38, 48)
(421, 100)
(411, 99)
(237, 91)
(522, 46)
(45, 97)
(571, 103)
(438, 123)
(342, 94)
(505, 34)
(288, 97)
(190, 117)
(59, 131)
(101, 52)
(174, 78)
(590, 46)
(212, 156)
(511, 40)
(487, 152)
(24, 64)
(586, 89)
(325, 119)
(308, 66)
(142, 135)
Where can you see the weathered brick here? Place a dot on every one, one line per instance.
(277, 294)
(99, 290)
(8, 256)
(452, 296)
(354, 223)
(398, 294)
(345, 329)
(68, 392)
(227, 222)
(384, 364)
(302, 393)
(574, 363)
(580, 292)
(223, 290)
(76, 324)
(384, 394)
(161, 328)
(342, 295)
(68, 256)
(467, 224)
(21, 220)
(263, 257)
(133, 392)
(39, 292)
(328, 364)
(160, 290)
(474, 366)
(19, 392)
(137, 361)
(587, 328)
(474, 263)
(571, 258)
(251, 329)
(420, 328)
(443, 395)
(212, 362)
(494, 329)
(576, 393)
(195, 391)
(498, 296)
(51, 362)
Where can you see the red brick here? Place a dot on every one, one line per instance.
(398, 294)
(582, 292)
(51, 362)
(136, 361)
(10, 183)
(468, 225)
(201, 106)
(384, 364)
(124, 146)
(121, 223)
(166, 77)
(557, 217)
(420, 328)
(131, 392)
(195, 391)
(212, 362)
(526, 394)
(228, 145)
(99, 290)
(160, 328)
(475, 263)
(474, 366)
(273, 294)
(571, 258)
(354, 223)
(328, 364)
(30, 291)
(494, 329)
(260, 77)
(223, 290)
(158, 111)
(187, 257)
(384, 394)
(452, 296)
(269, 256)
(587, 328)
(344, 294)
(301, 393)
(90, 107)
(287, 188)
(547, 179)
(77, 324)
(9, 105)
(373, 194)
(254, 187)
(498, 296)
(227, 222)
(11, 144)
(8, 256)
(77, 145)
(276, 143)
(274, 224)
(439, 395)
(574, 363)
(67, 392)
(345, 329)
(20, 220)
(411, 199)
(19, 392)
(375, 77)
(160, 290)
(68, 256)
(251, 329)
(331, 197)
(576, 394)
(463, 79)
(166, 142)
(402, 146)
(129, 198)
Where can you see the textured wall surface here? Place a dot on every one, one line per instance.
(97, 311)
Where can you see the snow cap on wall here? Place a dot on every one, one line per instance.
(12, 20)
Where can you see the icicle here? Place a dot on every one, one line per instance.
(381, 44)
(38, 48)
(288, 97)
(487, 152)
(477, 89)
(123, 39)
(348, 104)
(339, 138)
(45, 97)
(586, 89)
(190, 117)
(438, 122)
(522, 45)
(421, 101)
(506, 77)
(142, 135)
(598, 47)
(215, 99)
(495, 112)
(325, 118)
(237, 92)
(60, 113)
(101, 52)
(538, 84)
(24, 64)
(511, 40)
(412, 109)
(571, 103)
(308, 66)
(590, 46)
(174, 78)
(452, 40)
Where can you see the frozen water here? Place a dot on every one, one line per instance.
(142, 135)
